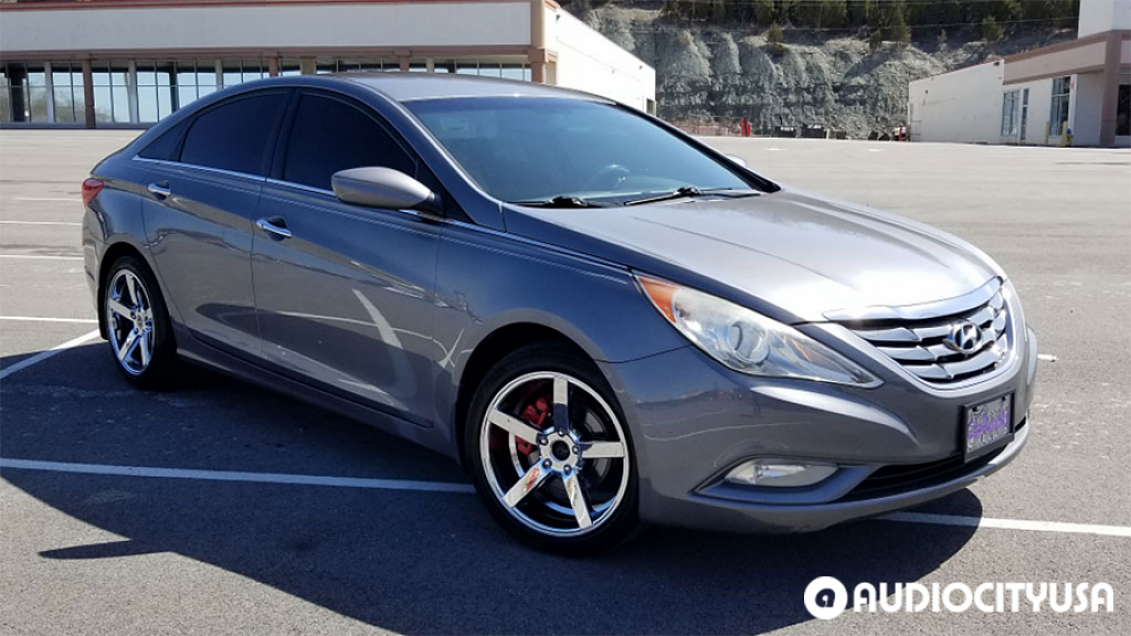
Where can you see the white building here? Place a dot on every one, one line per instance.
(1075, 92)
(132, 62)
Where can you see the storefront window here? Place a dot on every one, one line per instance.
(195, 79)
(1123, 111)
(33, 92)
(5, 97)
(290, 67)
(240, 71)
(155, 95)
(1058, 110)
(516, 72)
(111, 92)
(488, 68)
(26, 92)
(37, 96)
(67, 92)
(1009, 113)
(357, 65)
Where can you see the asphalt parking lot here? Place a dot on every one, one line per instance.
(122, 512)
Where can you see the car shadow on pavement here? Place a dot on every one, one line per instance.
(411, 562)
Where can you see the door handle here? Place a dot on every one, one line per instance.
(275, 227)
(159, 190)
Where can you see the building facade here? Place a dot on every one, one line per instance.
(1074, 93)
(129, 63)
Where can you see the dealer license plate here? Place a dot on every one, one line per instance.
(987, 426)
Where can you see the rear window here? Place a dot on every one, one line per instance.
(234, 135)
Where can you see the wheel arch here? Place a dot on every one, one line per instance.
(492, 348)
(114, 252)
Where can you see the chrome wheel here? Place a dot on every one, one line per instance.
(555, 454)
(129, 321)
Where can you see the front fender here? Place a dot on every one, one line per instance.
(488, 280)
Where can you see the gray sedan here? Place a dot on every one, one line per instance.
(604, 320)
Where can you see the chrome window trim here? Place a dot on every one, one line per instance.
(922, 311)
(181, 164)
(301, 186)
(566, 94)
(309, 189)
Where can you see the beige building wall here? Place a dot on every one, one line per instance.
(267, 26)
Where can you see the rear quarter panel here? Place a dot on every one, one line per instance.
(114, 216)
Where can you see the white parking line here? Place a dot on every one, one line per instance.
(1008, 524)
(39, 223)
(451, 487)
(67, 199)
(225, 475)
(81, 321)
(37, 256)
(43, 355)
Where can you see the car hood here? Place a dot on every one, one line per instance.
(790, 254)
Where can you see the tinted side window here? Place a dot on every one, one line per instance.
(330, 135)
(167, 146)
(234, 135)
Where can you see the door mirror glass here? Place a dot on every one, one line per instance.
(383, 188)
(739, 160)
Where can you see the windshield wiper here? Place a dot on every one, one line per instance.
(561, 202)
(692, 192)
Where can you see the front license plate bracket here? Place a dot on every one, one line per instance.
(987, 426)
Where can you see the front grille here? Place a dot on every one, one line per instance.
(920, 345)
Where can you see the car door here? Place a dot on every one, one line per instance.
(344, 293)
(204, 180)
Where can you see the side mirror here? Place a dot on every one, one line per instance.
(383, 188)
(736, 159)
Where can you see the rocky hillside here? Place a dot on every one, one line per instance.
(731, 70)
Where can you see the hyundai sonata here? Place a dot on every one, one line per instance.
(606, 321)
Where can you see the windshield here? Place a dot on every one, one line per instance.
(523, 149)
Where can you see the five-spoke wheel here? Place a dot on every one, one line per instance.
(553, 455)
(136, 322)
(129, 319)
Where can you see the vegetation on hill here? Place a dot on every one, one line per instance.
(843, 64)
(898, 20)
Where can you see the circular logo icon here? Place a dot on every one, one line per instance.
(964, 337)
(826, 597)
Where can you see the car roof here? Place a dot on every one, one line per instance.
(405, 87)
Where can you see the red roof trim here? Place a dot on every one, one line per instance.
(68, 5)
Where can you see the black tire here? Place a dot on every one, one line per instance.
(621, 521)
(159, 371)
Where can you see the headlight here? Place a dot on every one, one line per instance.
(747, 341)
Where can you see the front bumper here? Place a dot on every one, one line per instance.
(692, 420)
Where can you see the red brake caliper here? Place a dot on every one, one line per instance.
(535, 414)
